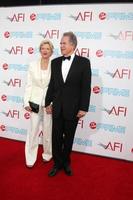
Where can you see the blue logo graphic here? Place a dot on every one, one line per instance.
(49, 16)
(115, 91)
(120, 16)
(83, 142)
(89, 35)
(111, 128)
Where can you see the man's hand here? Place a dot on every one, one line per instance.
(49, 109)
(28, 108)
(81, 113)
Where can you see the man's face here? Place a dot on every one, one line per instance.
(66, 47)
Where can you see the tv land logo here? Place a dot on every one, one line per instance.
(18, 34)
(15, 67)
(89, 35)
(13, 82)
(16, 114)
(115, 91)
(13, 129)
(51, 34)
(107, 127)
(122, 35)
(10, 98)
(113, 146)
(82, 142)
(122, 16)
(111, 91)
(45, 16)
(82, 16)
(120, 73)
(116, 110)
(114, 54)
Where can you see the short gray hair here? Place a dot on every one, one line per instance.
(72, 37)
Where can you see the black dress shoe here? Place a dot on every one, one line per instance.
(68, 170)
(53, 171)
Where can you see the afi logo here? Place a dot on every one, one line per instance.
(51, 34)
(14, 82)
(13, 114)
(15, 50)
(20, 17)
(126, 35)
(83, 52)
(81, 123)
(116, 146)
(118, 110)
(123, 35)
(122, 73)
(84, 16)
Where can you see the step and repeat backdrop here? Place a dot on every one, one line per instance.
(105, 36)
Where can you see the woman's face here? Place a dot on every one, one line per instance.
(45, 51)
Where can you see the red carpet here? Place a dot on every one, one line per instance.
(96, 178)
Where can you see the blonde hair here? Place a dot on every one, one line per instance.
(46, 42)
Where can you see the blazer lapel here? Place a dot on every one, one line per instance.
(72, 67)
(60, 71)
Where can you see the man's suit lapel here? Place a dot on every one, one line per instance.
(60, 71)
(72, 68)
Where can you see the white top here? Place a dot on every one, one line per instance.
(66, 64)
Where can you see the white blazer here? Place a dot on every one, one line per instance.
(37, 84)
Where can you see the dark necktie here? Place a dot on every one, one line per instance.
(66, 58)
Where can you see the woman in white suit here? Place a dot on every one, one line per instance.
(39, 73)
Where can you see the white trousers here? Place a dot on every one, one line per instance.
(32, 140)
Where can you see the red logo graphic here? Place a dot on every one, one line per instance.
(27, 115)
(2, 127)
(99, 53)
(93, 125)
(5, 66)
(32, 17)
(3, 97)
(102, 16)
(96, 89)
(132, 150)
(30, 50)
(6, 34)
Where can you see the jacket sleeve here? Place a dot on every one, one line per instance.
(85, 86)
(28, 87)
(50, 91)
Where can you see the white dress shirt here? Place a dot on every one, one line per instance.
(66, 64)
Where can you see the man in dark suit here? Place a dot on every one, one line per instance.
(67, 99)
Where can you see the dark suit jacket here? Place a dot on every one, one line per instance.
(74, 94)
